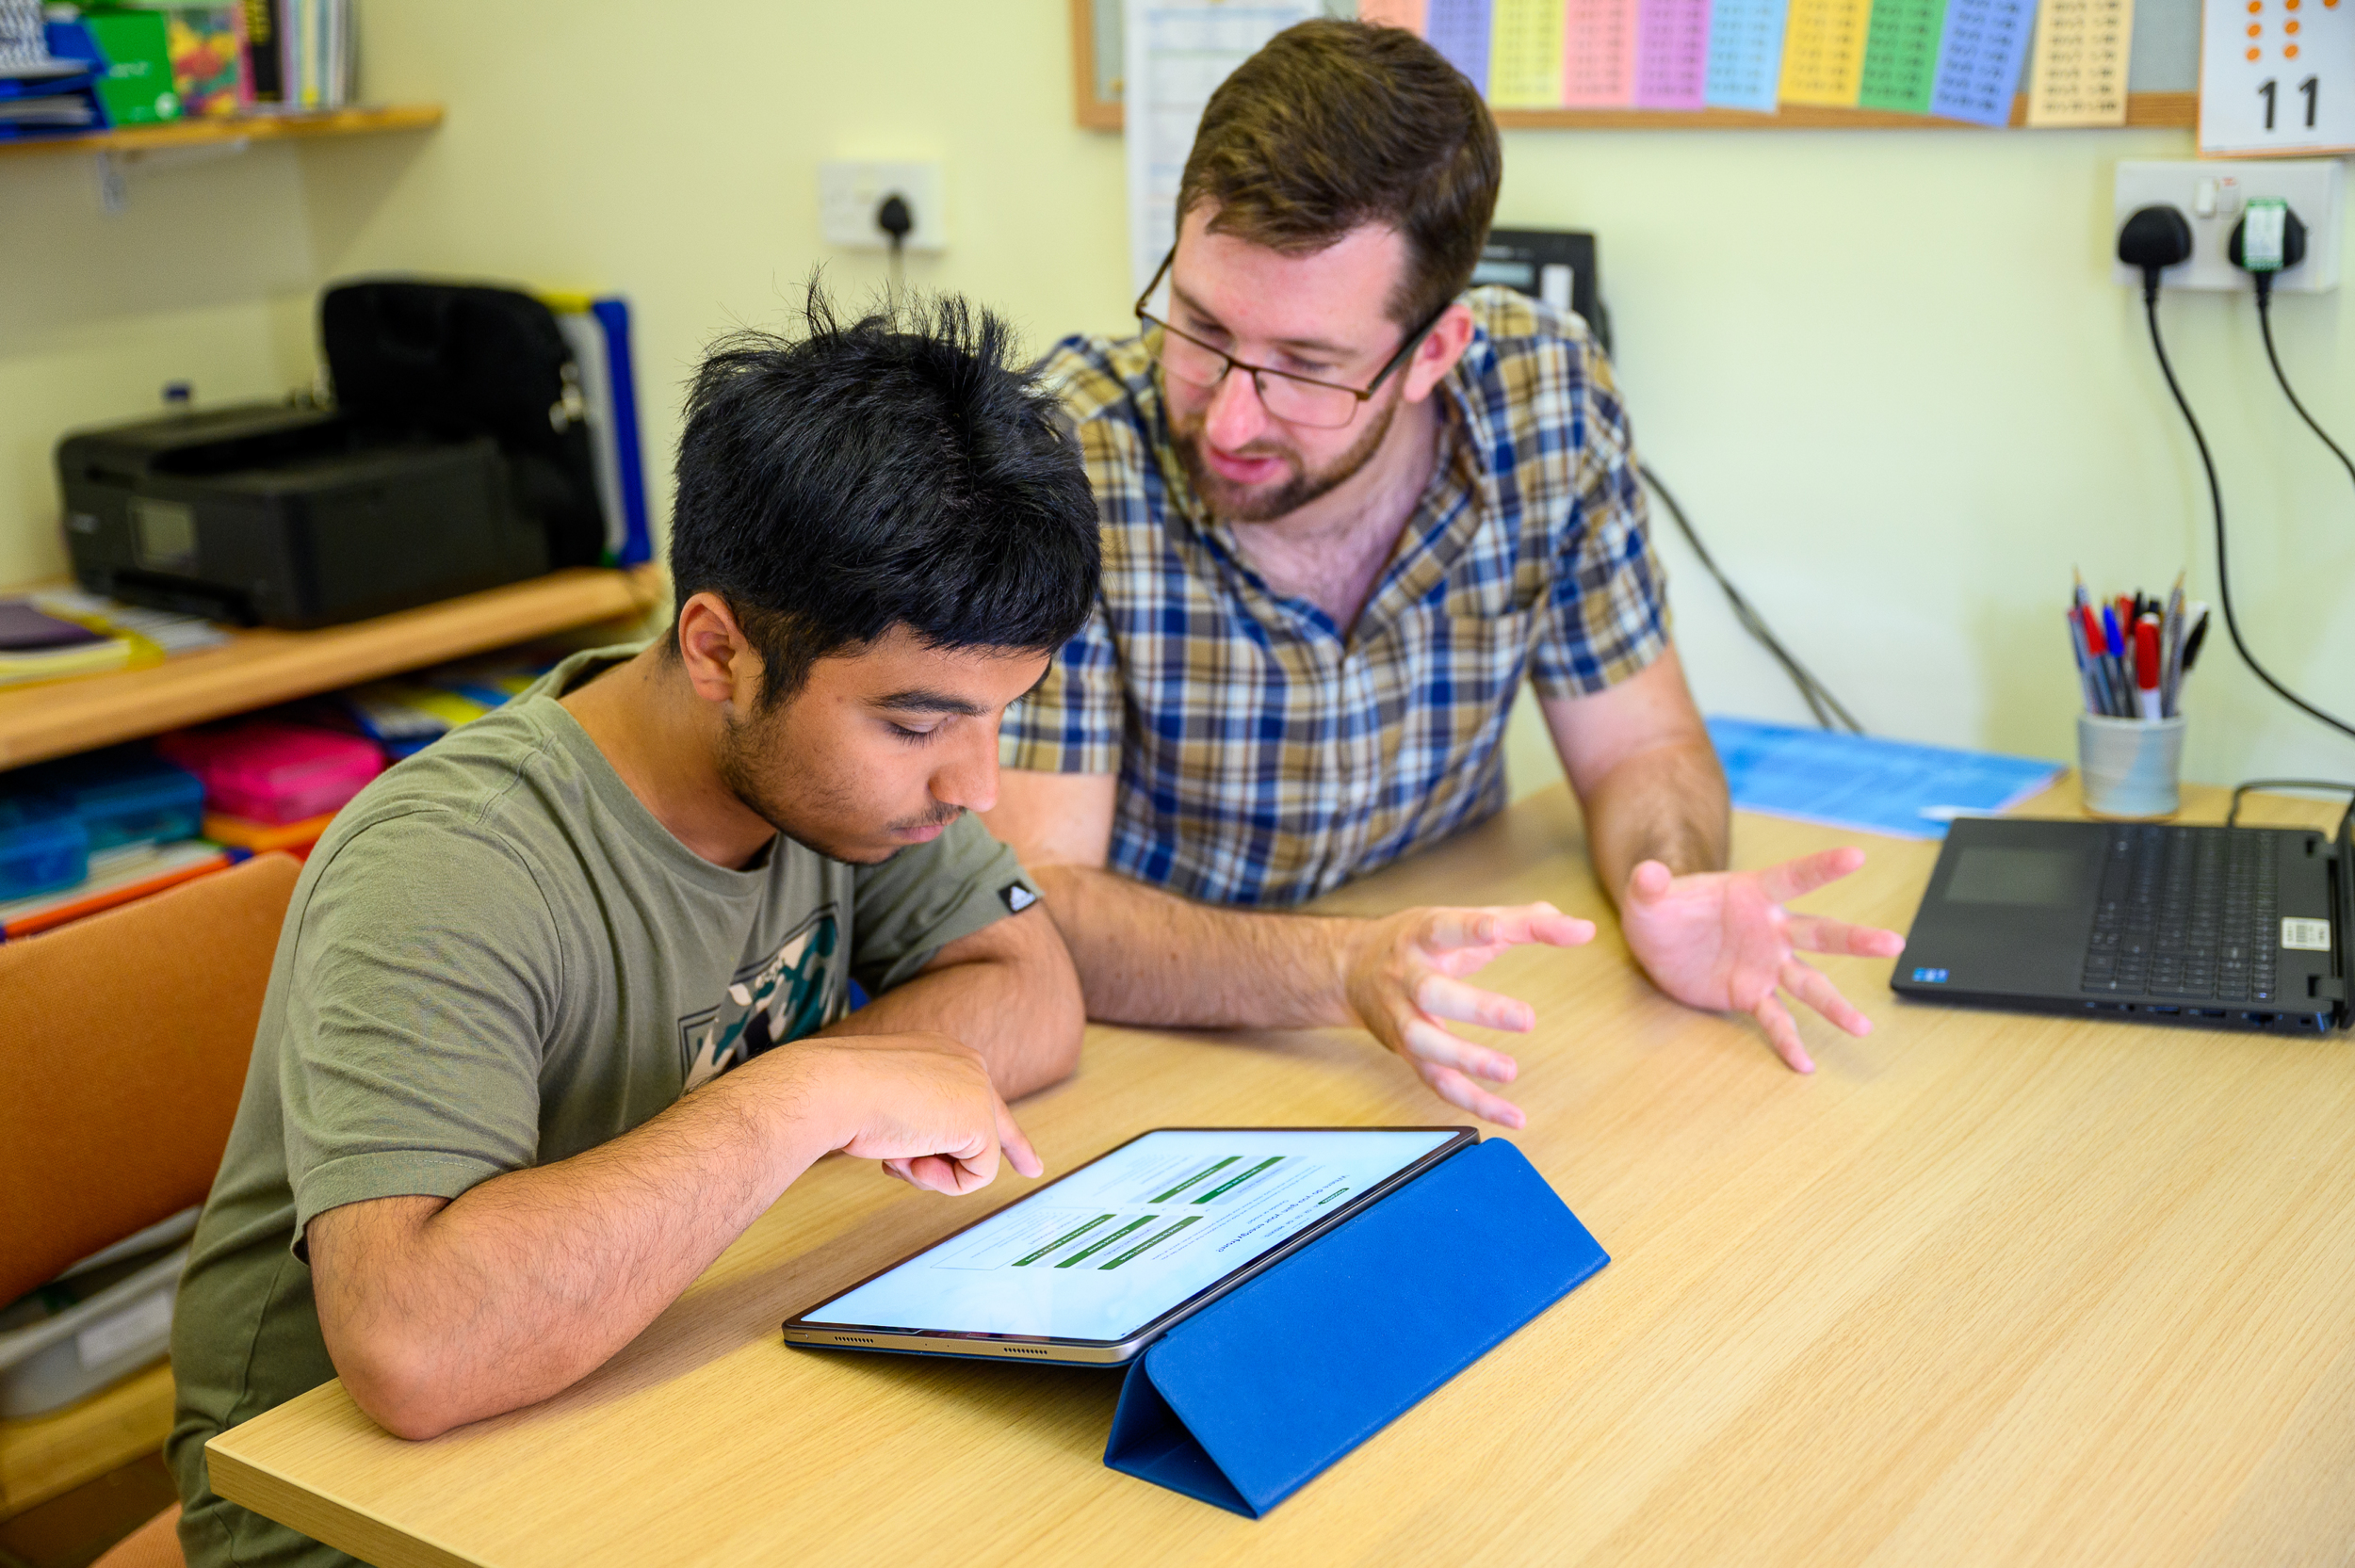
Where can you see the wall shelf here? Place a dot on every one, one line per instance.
(256, 669)
(237, 130)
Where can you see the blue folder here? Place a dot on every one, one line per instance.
(1258, 1394)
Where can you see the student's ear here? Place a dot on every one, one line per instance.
(1438, 351)
(722, 664)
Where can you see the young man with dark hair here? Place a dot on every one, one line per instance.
(1346, 505)
(560, 1005)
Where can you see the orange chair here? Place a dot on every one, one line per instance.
(124, 1044)
(154, 1545)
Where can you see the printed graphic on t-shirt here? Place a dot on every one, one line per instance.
(769, 1003)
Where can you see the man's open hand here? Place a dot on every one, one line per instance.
(1406, 973)
(1723, 941)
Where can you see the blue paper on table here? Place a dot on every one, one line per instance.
(1866, 784)
(1258, 1394)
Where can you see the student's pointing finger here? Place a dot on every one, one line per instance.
(1016, 1145)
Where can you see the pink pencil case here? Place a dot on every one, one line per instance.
(266, 771)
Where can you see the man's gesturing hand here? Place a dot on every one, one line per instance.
(922, 1103)
(1406, 973)
(1723, 941)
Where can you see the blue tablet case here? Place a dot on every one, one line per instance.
(1255, 1396)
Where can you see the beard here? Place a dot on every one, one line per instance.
(817, 814)
(1265, 503)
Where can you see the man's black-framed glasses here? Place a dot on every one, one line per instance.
(1295, 400)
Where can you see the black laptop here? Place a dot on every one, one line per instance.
(2220, 928)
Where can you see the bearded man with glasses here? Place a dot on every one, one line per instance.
(1346, 506)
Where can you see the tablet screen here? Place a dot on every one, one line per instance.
(1117, 1243)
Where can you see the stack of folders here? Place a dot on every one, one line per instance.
(2133, 652)
(47, 78)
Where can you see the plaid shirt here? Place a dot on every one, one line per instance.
(1266, 757)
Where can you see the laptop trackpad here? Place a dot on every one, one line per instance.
(2041, 878)
(2009, 908)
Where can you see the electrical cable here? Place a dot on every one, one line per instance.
(1819, 700)
(2336, 786)
(2265, 326)
(2216, 497)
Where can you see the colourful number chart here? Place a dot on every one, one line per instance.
(2259, 77)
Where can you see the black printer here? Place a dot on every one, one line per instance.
(456, 457)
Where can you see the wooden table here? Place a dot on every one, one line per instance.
(1985, 1288)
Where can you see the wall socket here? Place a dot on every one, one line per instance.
(849, 193)
(2213, 195)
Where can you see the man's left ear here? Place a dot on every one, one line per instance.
(1439, 350)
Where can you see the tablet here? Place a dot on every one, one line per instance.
(1093, 1267)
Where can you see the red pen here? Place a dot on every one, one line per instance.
(2147, 665)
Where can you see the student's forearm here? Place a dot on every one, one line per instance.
(1667, 804)
(1149, 957)
(1008, 991)
(528, 1281)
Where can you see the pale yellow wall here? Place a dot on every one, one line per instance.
(1888, 371)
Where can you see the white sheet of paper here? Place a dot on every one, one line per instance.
(1179, 51)
(2277, 77)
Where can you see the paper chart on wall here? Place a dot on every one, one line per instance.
(1459, 29)
(1978, 65)
(1598, 53)
(1901, 47)
(1745, 55)
(1525, 54)
(1671, 54)
(2277, 77)
(1823, 52)
(1179, 51)
(1392, 13)
(2078, 76)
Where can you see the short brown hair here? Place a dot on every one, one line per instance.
(1336, 124)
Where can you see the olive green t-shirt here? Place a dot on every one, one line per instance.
(497, 958)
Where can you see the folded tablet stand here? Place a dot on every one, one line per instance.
(1255, 1396)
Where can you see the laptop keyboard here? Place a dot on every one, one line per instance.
(2187, 912)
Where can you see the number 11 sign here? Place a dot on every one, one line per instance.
(2277, 77)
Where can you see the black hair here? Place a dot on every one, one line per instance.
(896, 471)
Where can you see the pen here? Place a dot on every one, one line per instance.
(2147, 665)
(2171, 648)
(2098, 662)
(2191, 644)
(2121, 682)
(2088, 671)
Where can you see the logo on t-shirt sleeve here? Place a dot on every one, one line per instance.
(1017, 896)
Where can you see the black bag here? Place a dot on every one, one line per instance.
(453, 361)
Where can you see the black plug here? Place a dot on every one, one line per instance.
(2154, 239)
(893, 217)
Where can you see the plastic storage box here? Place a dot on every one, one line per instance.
(267, 771)
(99, 1322)
(127, 795)
(44, 845)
